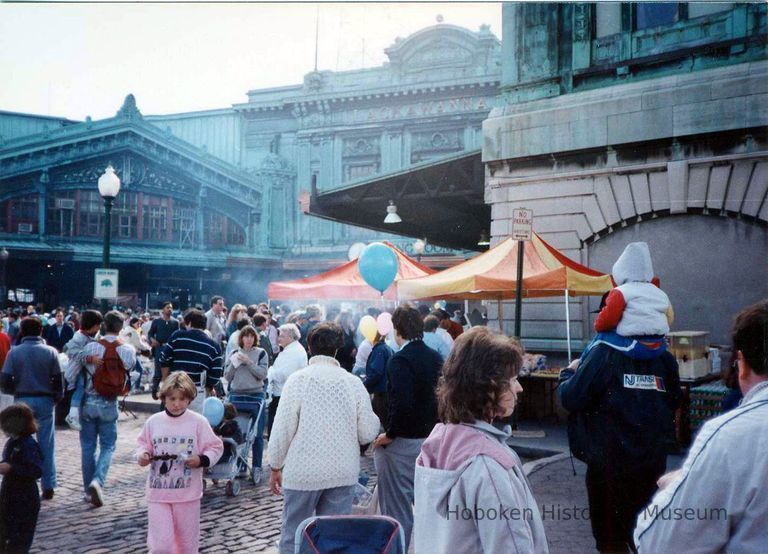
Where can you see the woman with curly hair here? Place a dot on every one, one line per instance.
(470, 490)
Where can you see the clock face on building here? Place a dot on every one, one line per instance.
(354, 251)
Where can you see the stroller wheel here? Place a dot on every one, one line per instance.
(233, 488)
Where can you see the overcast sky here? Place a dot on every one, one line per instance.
(73, 60)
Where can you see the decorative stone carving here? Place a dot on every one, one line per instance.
(444, 140)
(439, 55)
(361, 146)
(129, 109)
(314, 81)
(581, 22)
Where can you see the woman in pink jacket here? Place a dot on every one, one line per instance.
(471, 494)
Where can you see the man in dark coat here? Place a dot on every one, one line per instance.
(60, 333)
(412, 374)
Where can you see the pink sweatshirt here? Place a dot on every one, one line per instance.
(174, 439)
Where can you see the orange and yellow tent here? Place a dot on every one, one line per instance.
(345, 282)
(493, 275)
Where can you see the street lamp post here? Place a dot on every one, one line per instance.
(109, 188)
(4, 255)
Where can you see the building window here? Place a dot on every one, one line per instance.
(154, 216)
(235, 234)
(91, 214)
(214, 228)
(125, 216)
(183, 224)
(60, 219)
(607, 19)
(655, 14)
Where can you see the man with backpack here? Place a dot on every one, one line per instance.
(105, 381)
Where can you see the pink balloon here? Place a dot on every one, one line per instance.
(384, 323)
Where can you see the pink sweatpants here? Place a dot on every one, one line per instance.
(174, 527)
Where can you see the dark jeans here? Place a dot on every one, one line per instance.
(271, 412)
(19, 507)
(616, 497)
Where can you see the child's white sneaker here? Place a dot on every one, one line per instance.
(73, 422)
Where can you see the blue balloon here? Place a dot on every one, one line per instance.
(378, 265)
(213, 410)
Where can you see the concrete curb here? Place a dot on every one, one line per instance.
(534, 466)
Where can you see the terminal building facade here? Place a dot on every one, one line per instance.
(613, 122)
(211, 202)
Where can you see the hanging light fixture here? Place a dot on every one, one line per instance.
(392, 216)
(483, 239)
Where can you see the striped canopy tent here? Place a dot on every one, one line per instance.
(345, 282)
(493, 275)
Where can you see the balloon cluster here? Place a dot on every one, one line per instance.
(382, 325)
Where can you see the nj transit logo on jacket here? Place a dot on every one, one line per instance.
(644, 382)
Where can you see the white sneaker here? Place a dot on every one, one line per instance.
(87, 497)
(73, 422)
(258, 473)
(97, 495)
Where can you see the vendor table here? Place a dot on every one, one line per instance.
(538, 397)
(682, 415)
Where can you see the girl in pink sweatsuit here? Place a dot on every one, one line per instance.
(177, 444)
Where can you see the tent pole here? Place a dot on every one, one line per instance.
(466, 313)
(501, 317)
(568, 324)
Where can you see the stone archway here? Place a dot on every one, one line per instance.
(711, 267)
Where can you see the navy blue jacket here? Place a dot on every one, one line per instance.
(621, 409)
(26, 459)
(412, 375)
(376, 368)
(53, 338)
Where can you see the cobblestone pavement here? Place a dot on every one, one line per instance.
(562, 499)
(249, 522)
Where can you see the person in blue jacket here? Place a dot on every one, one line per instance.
(376, 376)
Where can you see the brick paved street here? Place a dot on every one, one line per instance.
(247, 523)
(562, 499)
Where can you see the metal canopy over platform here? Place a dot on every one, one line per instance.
(442, 200)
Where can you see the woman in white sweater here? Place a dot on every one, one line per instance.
(324, 416)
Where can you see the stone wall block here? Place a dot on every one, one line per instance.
(638, 182)
(658, 187)
(640, 125)
(592, 212)
(698, 182)
(677, 180)
(742, 173)
(560, 240)
(593, 131)
(566, 222)
(705, 117)
(684, 95)
(606, 200)
(718, 182)
(547, 189)
(756, 192)
(623, 194)
(757, 110)
(751, 85)
(500, 210)
(501, 228)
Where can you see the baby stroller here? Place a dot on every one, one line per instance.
(358, 534)
(237, 463)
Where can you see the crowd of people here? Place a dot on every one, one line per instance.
(427, 400)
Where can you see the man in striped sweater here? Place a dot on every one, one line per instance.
(193, 351)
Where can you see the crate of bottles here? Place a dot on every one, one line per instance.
(706, 403)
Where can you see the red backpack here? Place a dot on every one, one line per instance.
(111, 377)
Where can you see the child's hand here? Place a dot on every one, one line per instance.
(193, 461)
(145, 459)
(5, 467)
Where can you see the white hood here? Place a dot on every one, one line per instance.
(633, 265)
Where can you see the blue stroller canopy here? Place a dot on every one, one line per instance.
(350, 534)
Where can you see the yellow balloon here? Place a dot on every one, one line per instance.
(368, 327)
